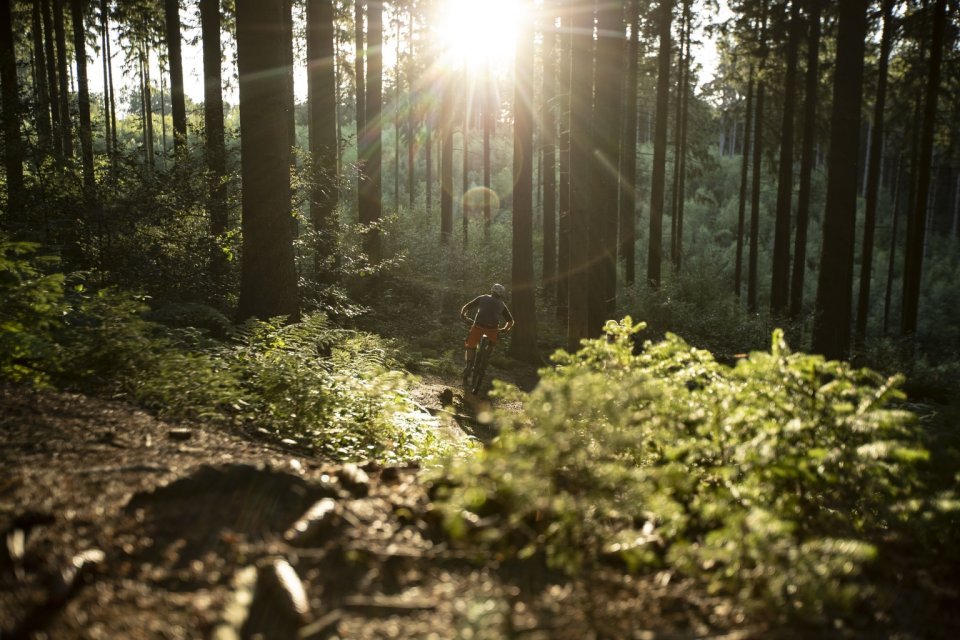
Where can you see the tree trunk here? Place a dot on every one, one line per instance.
(677, 151)
(628, 152)
(66, 130)
(372, 193)
(807, 157)
(744, 173)
(321, 87)
(177, 96)
(43, 95)
(213, 126)
(659, 148)
(831, 325)
(13, 146)
(83, 95)
(428, 152)
(913, 261)
(396, 121)
(108, 82)
(148, 108)
(548, 149)
(446, 160)
(360, 84)
(757, 171)
(465, 141)
(581, 177)
(607, 111)
(268, 278)
(488, 116)
(780, 280)
(524, 343)
(891, 261)
(163, 112)
(412, 123)
(873, 177)
(563, 200)
(684, 126)
(53, 83)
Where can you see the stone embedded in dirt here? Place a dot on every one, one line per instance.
(446, 397)
(180, 434)
(316, 522)
(72, 575)
(390, 474)
(280, 606)
(354, 479)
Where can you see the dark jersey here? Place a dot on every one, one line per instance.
(490, 309)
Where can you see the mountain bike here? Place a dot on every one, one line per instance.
(474, 379)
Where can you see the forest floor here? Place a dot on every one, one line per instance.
(119, 525)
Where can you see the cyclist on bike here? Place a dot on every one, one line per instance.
(490, 308)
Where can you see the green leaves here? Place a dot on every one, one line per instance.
(768, 479)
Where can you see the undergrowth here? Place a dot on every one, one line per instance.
(777, 480)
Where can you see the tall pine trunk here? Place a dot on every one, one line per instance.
(684, 127)
(321, 87)
(677, 151)
(757, 170)
(581, 176)
(563, 199)
(44, 131)
(658, 177)
(607, 111)
(831, 325)
(371, 196)
(780, 280)
(177, 96)
(213, 126)
(524, 344)
(548, 132)
(53, 83)
(913, 261)
(807, 158)
(66, 128)
(891, 260)
(446, 159)
(360, 86)
(488, 107)
(10, 87)
(628, 152)
(268, 278)
(744, 174)
(83, 95)
(873, 177)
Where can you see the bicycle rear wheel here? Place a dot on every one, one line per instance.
(480, 366)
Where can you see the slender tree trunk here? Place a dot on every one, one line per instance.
(684, 126)
(53, 81)
(107, 129)
(83, 95)
(755, 200)
(360, 82)
(13, 145)
(148, 108)
(464, 172)
(780, 280)
(548, 132)
(428, 152)
(524, 343)
(807, 158)
(563, 200)
(607, 112)
(831, 325)
(412, 124)
(581, 176)
(628, 152)
(371, 196)
(659, 148)
(213, 126)
(268, 278)
(446, 160)
(744, 173)
(321, 88)
(397, 92)
(177, 96)
(913, 261)
(955, 227)
(66, 130)
(677, 151)
(487, 130)
(108, 83)
(891, 262)
(163, 112)
(44, 131)
(873, 178)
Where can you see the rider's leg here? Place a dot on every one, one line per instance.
(469, 355)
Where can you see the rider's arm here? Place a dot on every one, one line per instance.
(463, 310)
(509, 318)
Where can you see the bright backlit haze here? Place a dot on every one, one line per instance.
(478, 33)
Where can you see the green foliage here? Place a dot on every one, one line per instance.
(771, 480)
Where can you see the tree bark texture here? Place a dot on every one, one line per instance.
(268, 279)
(744, 174)
(548, 133)
(658, 177)
(371, 195)
(44, 131)
(10, 87)
(177, 96)
(831, 325)
(66, 128)
(83, 96)
(628, 152)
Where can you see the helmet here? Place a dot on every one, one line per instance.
(498, 290)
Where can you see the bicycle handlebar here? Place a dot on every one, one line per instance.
(468, 322)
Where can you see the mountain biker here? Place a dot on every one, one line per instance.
(490, 308)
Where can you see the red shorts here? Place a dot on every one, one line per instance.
(478, 331)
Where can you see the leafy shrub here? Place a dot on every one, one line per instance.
(771, 479)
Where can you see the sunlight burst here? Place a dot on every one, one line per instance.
(477, 32)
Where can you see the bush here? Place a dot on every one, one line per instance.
(771, 480)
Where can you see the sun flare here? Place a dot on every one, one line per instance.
(478, 32)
